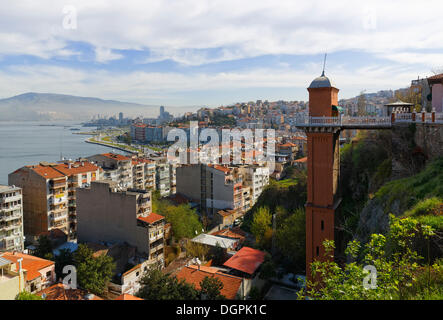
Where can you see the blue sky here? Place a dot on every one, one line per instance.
(183, 53)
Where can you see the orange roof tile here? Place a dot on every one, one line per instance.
(126, 296)
(235, 233)
(193, 275)
(59, 292)
(115, 156)
(46, 172)
(246, 260)
(151, 218)
(76, 168)
(301, 160)
(30, 263)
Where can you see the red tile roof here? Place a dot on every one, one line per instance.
(151, 218)
(301, 160)
(192, 275)
(59, 292)
(30, 263)
(436, 77)
(47, 172)
(234, 233)
(115, 156)
(76, 168)
(126, 296)
(246, 260)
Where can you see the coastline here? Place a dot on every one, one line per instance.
(110, 146)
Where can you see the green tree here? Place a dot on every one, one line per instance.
(290, 238)
(64, 258)
(211, 288)
(93, 273)
(184, 220)
(44, 248)
(268, 268)
(261, 227)
(25, 295)
(196, 250)
(396, 263)
(158, 286)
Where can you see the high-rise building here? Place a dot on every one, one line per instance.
(49, 195)
(215, 187)
(11, 219)
(107, 213)
(116, 167)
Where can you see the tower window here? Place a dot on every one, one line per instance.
(322, 225)
(318, 251)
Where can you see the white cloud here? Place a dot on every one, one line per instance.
(104, 55)
(175, 29)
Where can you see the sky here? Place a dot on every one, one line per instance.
(211, 53)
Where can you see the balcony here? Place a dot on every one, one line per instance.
(10, 199)
(156, 248)
(155, 238)
(10, 217)
(10, 208)
(9, 227)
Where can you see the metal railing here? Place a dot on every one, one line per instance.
(365, 121)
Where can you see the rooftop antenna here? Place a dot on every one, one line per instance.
(324, 64)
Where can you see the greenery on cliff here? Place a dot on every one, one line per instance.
(285, 238)
(396, 271)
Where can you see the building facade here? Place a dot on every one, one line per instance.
(11, 219)
(116, 167)
(109, 214)
(49, 195)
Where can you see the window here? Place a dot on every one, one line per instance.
(48, 275)
(318, 251)
(137, 274)
(322, 225)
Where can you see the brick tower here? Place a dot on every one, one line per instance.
(323, 169)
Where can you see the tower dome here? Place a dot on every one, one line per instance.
(321, 82)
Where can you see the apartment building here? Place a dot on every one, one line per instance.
(108, 213)
(143, 173)
(215, 187)
(49, 195)
(256, 177)
(11, 219)
(116, 167)
(163, 176)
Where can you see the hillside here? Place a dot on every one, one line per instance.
(50, 106)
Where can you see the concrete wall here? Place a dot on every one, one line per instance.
(188, 181)
(35, 209)
(437, 97)
(107, 216)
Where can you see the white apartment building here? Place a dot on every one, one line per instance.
(11, 219)
(257, 178)
(116, 167)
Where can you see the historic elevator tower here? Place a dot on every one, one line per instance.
(323, 168)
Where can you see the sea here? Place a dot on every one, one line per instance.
(28, 143)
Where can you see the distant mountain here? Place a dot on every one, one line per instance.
(50, 106)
